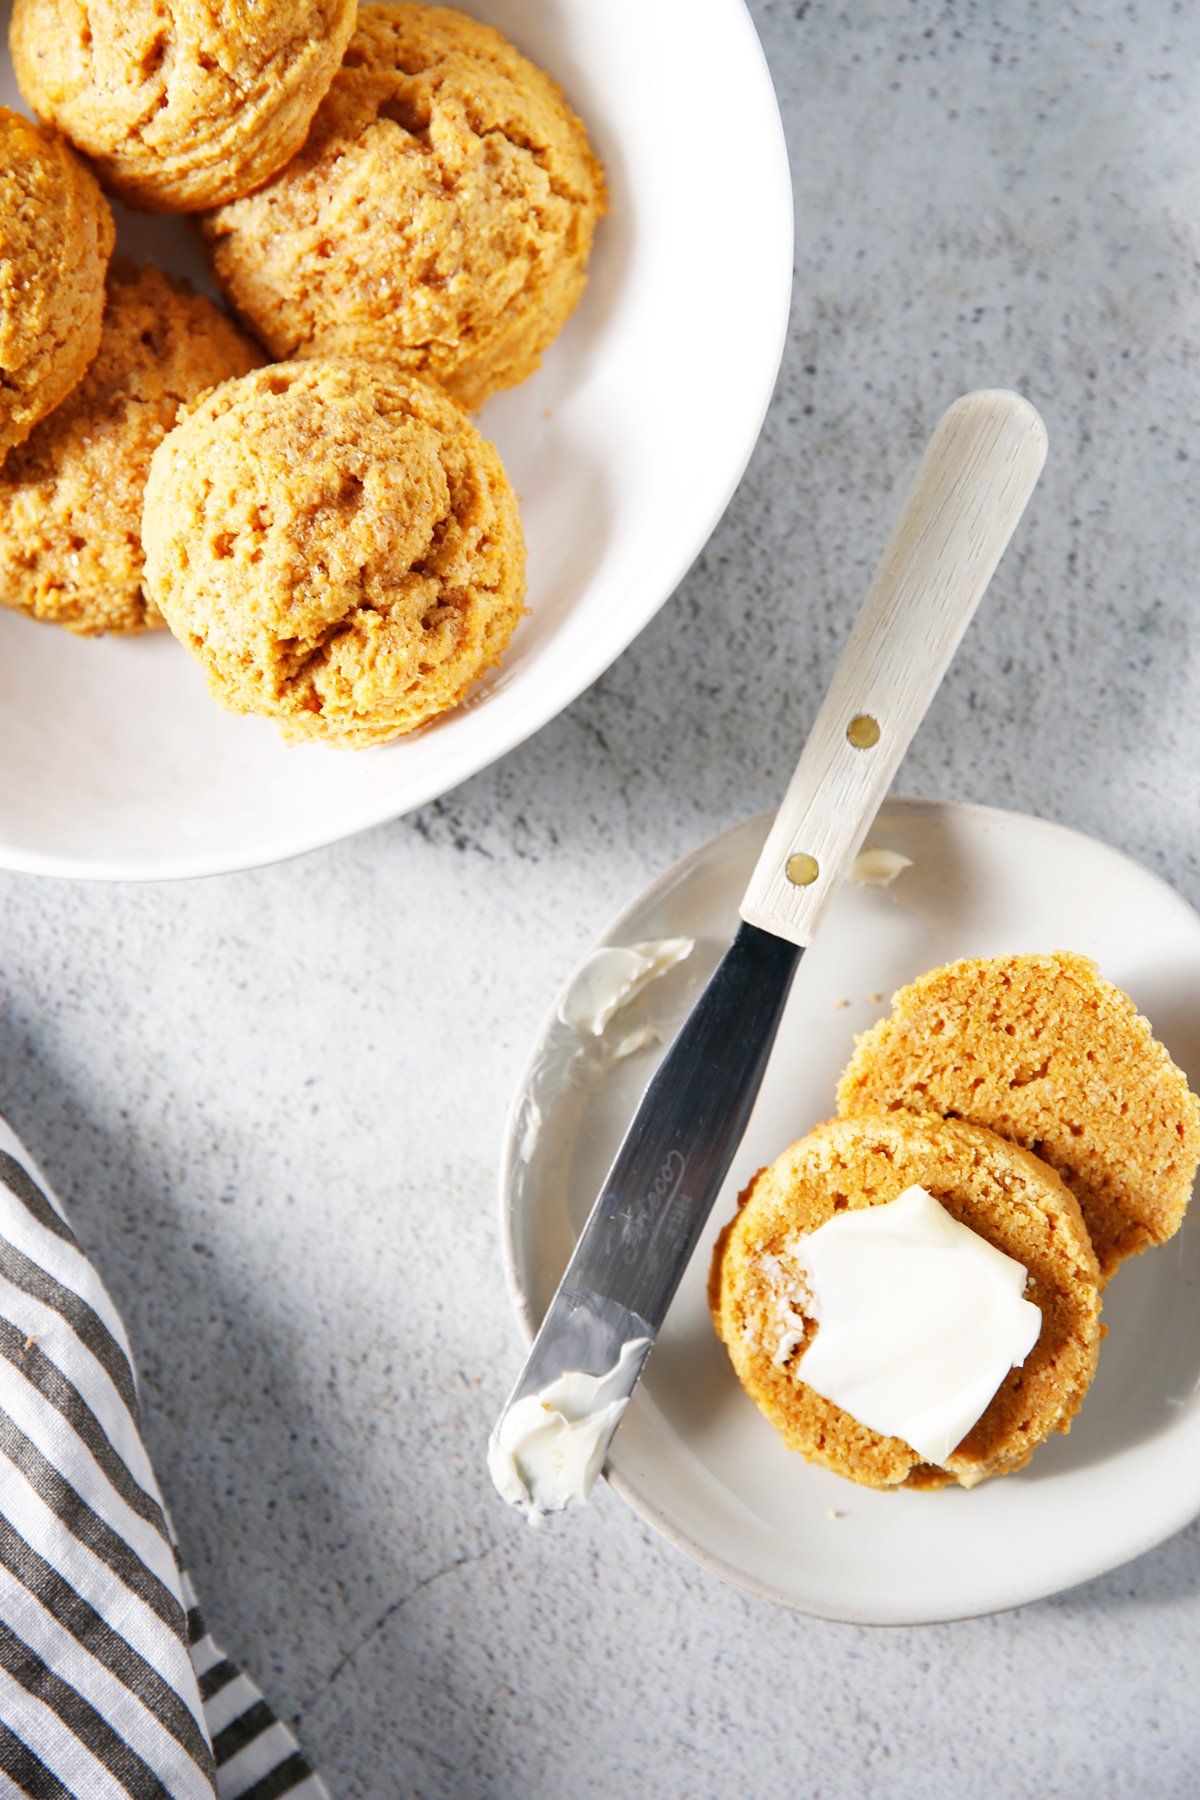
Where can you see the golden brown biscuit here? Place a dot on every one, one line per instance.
(181, 103)
(71, 495)
(1044, 1051)
(440, 214)
(56, 236)
(1002, 1192)
(337, 546)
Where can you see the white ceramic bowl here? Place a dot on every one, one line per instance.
(624, 449)
(694, 1455)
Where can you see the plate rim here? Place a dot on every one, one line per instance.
(528, 720)
(843, 1614)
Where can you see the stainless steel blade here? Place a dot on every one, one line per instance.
(660, 1190)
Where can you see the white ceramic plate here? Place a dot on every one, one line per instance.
(694, 1456)
(624, 449)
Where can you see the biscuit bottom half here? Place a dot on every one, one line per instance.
(1000, 1191)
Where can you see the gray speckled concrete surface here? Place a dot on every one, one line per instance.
(274, 1101)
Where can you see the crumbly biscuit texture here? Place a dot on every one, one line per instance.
(182, 104)
(337, 546)
(1001, 1192)
(1045, 1052)
(56, 236)
(440, 213)
(71, 495)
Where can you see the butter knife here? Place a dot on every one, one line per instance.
(969, 492)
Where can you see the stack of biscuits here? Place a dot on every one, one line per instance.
(400, 208)
(1032, 1101)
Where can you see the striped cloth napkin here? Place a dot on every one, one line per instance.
(110, 1684)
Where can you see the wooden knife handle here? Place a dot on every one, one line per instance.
(970, 490)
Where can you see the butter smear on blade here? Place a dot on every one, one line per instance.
(549, 1448)
(920, 1320)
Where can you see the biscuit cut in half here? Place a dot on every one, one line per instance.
(337, 546)
(56, 236)
(1044, 1051)
(757, 1288)
(181, 104)
(440, 214)
(71, 494)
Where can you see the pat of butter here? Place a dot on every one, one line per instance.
(920, 1320)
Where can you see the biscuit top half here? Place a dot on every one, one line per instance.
(1048, 1054)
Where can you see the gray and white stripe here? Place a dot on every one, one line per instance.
(109, 1681)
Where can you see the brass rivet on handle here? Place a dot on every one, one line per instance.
(802, 869)
(863, 731)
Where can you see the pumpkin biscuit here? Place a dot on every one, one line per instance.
(71, 495)
(1010, 1198)
(337, 546)
(1044, 1051)
(182, 104)
(56, 236)
(440, 214)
